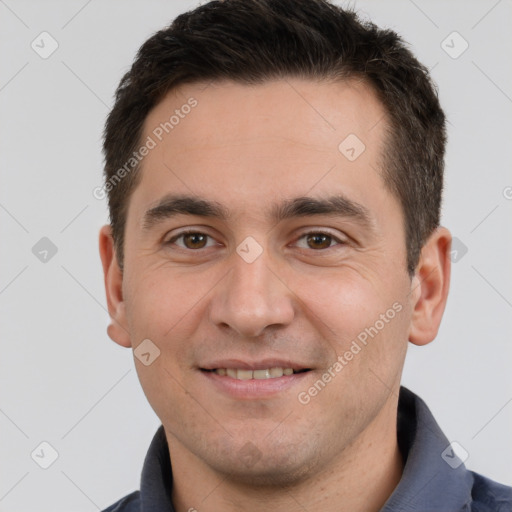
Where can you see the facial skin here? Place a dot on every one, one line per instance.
(301, 303)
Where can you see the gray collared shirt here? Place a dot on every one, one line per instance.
(434, 478)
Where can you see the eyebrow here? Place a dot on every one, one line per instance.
(338, 205)
(172, 205)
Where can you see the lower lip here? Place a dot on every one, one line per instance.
(253, 388)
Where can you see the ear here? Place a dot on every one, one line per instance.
(113, 276)
(429, 287)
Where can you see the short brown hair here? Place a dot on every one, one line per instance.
(254, 41)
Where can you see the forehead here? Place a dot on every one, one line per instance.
(248, 145)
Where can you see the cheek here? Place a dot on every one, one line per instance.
(364, 321)
(164, 301)
(364, 326)
(165, 307)
(340, 302)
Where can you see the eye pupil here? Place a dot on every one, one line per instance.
(194, 240)
(319, 241)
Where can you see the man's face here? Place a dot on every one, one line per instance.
(265, 279)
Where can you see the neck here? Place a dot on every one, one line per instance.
(360, 479)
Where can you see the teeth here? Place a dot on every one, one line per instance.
(244, 374)
(276, 372)
(240, 374)
(261, 374)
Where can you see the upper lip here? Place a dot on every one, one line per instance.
(261, 364)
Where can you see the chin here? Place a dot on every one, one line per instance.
(276, 471)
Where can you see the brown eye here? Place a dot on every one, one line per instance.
(194, 240)
(319, 240)
(192, 243)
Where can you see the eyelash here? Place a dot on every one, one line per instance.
(334, 238)
(185, 233)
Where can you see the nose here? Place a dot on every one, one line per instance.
(251, 298)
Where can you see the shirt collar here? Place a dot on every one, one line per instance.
(156, 478)
(432, 480)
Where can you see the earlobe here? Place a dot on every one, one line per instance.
(429, 287)
(113, 278)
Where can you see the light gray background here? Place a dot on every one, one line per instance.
(64, 382)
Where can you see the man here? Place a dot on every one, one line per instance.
(274, 171)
